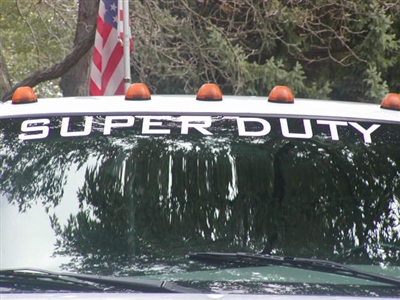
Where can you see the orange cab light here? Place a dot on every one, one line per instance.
(281, 94)
(24, 94)
(209, 92)
(391, 101)
(138, 91)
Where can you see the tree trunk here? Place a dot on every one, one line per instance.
(76, 81)
(5, 82)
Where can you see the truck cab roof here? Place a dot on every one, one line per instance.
(188, 104)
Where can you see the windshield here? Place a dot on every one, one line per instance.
(134, 195)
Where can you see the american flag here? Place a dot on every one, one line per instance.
(107, 70)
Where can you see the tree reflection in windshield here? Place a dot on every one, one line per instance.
(146, 201)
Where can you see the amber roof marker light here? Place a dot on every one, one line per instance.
(24, 95)
(281, 94)
(209, 92)
(391, 101)
(138, 91)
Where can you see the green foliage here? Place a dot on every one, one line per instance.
(36, 35)
(374, 56)
(336, 49)
(184, 51)
(376, 89)
(380, 39)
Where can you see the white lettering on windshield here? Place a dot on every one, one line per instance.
(65, 128)
(266, 127)
(245, 126)
(308, 133)
(109, 123)
(28, 128)
(148, 122)
(333, 127)
(198, 123)
(365, 132)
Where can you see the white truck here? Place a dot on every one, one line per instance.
(199, 196)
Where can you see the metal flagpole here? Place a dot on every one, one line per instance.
(127, 38)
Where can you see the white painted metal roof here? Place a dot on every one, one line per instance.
(188, 105)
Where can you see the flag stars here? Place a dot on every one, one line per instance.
(113, 7)
(111, 12)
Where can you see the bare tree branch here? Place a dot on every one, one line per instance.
(56, 70)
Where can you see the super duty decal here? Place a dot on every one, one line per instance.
(34, 129)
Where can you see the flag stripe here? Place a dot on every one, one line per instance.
(97, 58)
(110, 70)
(115, 87)
(107, 68)
(94, 89)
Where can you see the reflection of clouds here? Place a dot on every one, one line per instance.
(27, 238)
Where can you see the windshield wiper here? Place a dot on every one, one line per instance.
(35, 279)
(326, 266)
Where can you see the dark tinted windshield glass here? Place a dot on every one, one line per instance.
(134, 195)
